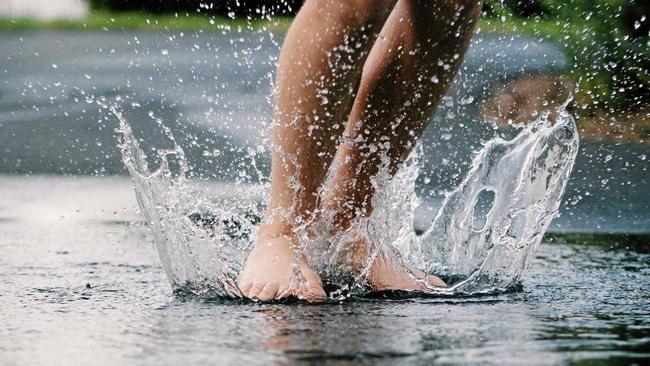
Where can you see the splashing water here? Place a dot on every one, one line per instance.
(523, 181)
(481, 239)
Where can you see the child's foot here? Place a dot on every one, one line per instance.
(388, 273)
(270, 274)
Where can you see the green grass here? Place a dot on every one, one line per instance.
(103, 20)
(549, 29)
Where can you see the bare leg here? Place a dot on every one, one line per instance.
(406, 74)
(317, 76)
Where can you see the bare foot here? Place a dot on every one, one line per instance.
(389, 273)
(270, 274)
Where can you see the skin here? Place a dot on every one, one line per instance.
(357, 80)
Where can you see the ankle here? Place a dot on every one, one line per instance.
(338, 219)
(274, 230)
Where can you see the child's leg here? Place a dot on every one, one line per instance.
(407, 72)
(318, 71)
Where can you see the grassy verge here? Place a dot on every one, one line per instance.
(547, 29)
(102, 20)
(105, 20)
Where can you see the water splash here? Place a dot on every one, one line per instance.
(488, 228)
(482, 237)
(201, 244)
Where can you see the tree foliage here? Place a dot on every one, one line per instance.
(607, 42)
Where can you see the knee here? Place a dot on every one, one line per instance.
(365, 12)
(457, 9)
(358, 12)
(365, 7)
(468, 8)
(436, 16)
(464, 13)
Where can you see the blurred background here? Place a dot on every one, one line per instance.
(206, 69)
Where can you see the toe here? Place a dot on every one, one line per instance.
(422, 281)
(255, 290)
(268, 292)
(427, 283)
(314, 294)
(245, 288)
(283, 292)
(433, 281)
